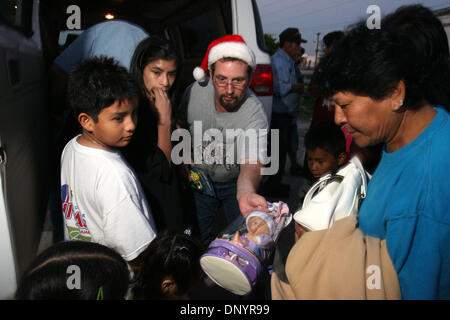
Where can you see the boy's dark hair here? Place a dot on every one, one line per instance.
(103, 273)
(327, 136)
(330, 39)
(148, 50)
(173, 255)
(98, 82)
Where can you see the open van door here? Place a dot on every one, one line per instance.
(23, 140)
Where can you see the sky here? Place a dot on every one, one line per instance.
(313, 16)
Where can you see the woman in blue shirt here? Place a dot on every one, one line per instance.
(378, 80)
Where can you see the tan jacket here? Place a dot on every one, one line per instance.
(338, 263)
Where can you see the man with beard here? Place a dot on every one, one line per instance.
(228, 130)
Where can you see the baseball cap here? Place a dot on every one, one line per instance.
(291, 35)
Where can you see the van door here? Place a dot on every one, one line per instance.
(23, 140)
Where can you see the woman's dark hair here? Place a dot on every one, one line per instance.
(327, 136)
(371, 63)
(173, 255)
(102, 272)
(96, 83)
(420, 27)
(148, 50)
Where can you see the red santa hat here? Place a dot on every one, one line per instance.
(229, 46)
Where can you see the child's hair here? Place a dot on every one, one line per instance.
(169, 255)
(327, 136)
(148, 50)
(331, 38)
(75, 270)
(98, 82)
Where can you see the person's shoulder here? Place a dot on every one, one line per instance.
(199, 91)
(253, 105)
(200, 86)
(116, 26)
(441, 131)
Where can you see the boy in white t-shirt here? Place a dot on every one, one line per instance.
(102, 199)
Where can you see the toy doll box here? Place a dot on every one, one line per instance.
(230, 266)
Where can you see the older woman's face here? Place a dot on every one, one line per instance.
(159, 74)
(368, 121)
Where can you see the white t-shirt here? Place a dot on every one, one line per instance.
(103, 201)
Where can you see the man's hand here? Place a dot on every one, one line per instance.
(249, 202)
(247, 184)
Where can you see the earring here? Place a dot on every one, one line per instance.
(399, 105)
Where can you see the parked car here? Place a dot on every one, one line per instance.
(32, 34)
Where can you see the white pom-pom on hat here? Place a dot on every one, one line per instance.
(199, 74)
(229, 46)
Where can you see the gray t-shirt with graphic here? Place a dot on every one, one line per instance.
(222, 141)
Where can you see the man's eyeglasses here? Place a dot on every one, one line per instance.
(237, 83)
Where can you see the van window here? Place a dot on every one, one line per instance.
(17, 14)
(259, 29)
(225, 9)
(197, 34)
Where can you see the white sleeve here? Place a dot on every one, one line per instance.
(128, 229)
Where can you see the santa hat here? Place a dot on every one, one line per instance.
(229, 46)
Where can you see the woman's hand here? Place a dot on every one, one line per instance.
(163, 105)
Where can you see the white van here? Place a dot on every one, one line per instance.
(32, 34)
(23, 140)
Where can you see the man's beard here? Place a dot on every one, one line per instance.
(231, 106)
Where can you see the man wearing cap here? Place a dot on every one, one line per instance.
(286, 100)
(220, 103)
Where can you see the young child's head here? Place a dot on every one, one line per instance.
(170, 267)
(325, 148)
(75, 270)
(104, 98)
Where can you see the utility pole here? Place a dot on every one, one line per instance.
(317, 49)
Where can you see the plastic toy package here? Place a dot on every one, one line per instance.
(235, 259)
(201, 182)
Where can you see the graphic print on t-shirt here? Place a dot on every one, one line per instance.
(74, 220)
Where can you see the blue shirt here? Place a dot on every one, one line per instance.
(116, 39)
(408, 204)
(284, 76)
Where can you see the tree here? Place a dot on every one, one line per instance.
(271, 43)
